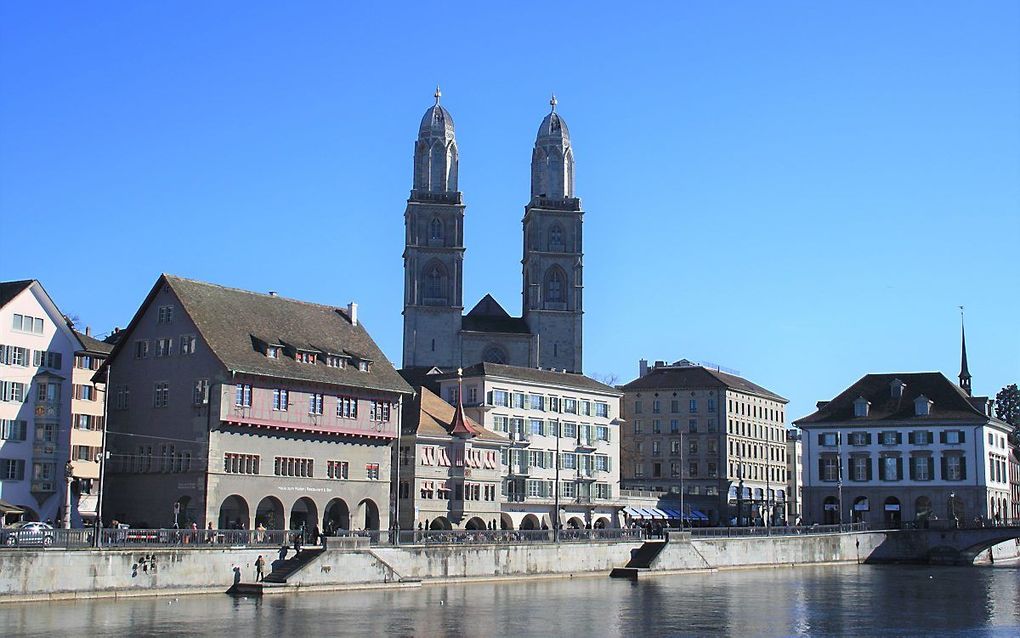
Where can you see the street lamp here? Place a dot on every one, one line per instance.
(952, 509)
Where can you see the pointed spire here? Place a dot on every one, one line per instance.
(553, 102)
(460, 426)
(438, 94)
(964, 371)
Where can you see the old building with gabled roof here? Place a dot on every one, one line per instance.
(243, 409)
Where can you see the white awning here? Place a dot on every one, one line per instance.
(88, 504)
(633, 512)
(657, 513)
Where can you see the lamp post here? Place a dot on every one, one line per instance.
(952, 509)
(68, 478)
(681, 478)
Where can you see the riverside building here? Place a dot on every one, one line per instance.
(564, 442)
(88, 419)
(450, 472)
(37, 350)
(240, 409)
(712, 443)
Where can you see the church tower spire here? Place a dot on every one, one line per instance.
(553, 256)
(964, 371)
(434, 246)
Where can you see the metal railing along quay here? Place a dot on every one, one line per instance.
(516, 537)
(119, 538)
(798, 530)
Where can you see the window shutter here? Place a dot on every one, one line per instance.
(944, 468)
(869, 469)
(899, 468)
(942, 437)
(899, 438)
(931, 468)
(821, 439)
(930, 436)
(963, 468)
(867, 439)
(913, 470)
(963, 436)
(821, 468)
(881, 468)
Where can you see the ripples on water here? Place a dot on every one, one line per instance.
(808, 601)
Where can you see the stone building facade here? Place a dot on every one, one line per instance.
(564, 433)
(240, 409)
(437, 333)
(88, 420)
(715, 438)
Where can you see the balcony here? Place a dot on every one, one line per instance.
(450, 197)
(520, 439)
(586, 443)
(519, 469)
(585, 475)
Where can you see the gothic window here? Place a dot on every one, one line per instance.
(554, 285)
(494, 354)
(436, 229)
(438, 172)
(434, 284)
(556, 238)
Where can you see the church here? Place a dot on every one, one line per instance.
(437, 333)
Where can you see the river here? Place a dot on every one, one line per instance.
(807, 601)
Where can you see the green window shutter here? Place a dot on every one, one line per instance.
(899, 467)
(821, 439)
(963, 468)
(944, 468)
(881, 469)
(821, 469)
(931, 468)
(963, 436)
(869, 468)
(913, 471)
(867, 439)
(910, 438)
(899, 438)
(942, 437)
(931, 436)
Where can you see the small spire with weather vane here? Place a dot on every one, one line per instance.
(553, 102)
(438, 94)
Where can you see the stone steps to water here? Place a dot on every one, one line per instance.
(642, 557)
(282, 570)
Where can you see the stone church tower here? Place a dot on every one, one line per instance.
(434, 247)
(553, 264)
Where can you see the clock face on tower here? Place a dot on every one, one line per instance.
(40, 411)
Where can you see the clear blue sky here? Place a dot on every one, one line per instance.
(801, 191)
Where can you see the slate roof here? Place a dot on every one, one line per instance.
(90, 344)
(489, 316)
(428, 415)
(949, 402)
(535, 375)
(11, 289)
(231, 321)
(698, 377)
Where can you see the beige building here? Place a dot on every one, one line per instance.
(450, 471)
(794, 476)
(714, 441)
(564, 432)
(88, 419)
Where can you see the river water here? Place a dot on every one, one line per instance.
(807, 601)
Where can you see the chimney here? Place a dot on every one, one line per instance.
(352, 312)
(88, 331)
(642, 367)
(660, 364)
(272, 293)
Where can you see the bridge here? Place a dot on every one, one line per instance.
(944, 544)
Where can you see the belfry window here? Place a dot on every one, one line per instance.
(436, 229)
(556, 238)
(434, 283)
(554, 286)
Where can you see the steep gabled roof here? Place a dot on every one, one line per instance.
(233, 321)
(11, 289)
(949, 402)
(93, 345)
(698, 377)
(489, 316)
(428, 415)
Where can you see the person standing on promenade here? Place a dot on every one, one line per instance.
(260, 568)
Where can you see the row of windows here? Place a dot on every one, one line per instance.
(92, 422)
(676, 470)
(89, 453)
(346, 406)
(890, 468)
(674, 426)
(693, 447)
(518, 490)
(519, 460)
(13, 430)
(88, 361)
(758, 472)
(83, 392)
(674, 406)
(27, 324)
(12, 391)
(241, 463)
(18, 356)
(522, 401)
(164, 347)
(146, 459)
(441, 490)
(914, 437)
(312, 357)
(755, 411)
(757, 430)
(583, 433)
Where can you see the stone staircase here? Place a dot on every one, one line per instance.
(283, 569)
(640, 560)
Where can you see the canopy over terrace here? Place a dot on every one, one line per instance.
(663, 514)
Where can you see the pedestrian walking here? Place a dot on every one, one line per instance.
(260, 568)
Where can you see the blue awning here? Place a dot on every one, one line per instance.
(634, 512)
(698, 515)
(672, 514)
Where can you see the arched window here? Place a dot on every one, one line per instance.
(494, 354)
(434, 284)
(556, 238)
(436, 229)
(554, 285)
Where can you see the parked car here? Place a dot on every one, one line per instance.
(28, 533)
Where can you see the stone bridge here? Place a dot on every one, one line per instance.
(943, 545)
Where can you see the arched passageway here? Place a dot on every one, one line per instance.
(336, 517)
(269, 513)
(234, 513)
(304, 515)
(440, 523)
(530, 522)
(475, 524)
(368, 514)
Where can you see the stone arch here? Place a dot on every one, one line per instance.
(575, 522)
(368, 514)
(554, 288)
(435, 283)
(269, 513)
(440, 523)
(955, 509)
(495, 354)
(601, 523)
(336, 516)
(475, 523)
(860, 508)
(530, 522)
(234, 513)
(304, 514)
(892, 511)
(830, 510)
(505, 522)
(922, 508)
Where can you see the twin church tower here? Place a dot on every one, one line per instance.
(437, 333)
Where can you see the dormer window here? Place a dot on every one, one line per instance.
(861, 407)
(303, 356)
(335, 361)
(896, 388)
(363, 365)
(273, 352)
(922, 406)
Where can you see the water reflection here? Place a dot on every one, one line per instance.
(821, 601)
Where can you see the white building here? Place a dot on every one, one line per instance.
(905, 447)
(565, 442)
(36, 354)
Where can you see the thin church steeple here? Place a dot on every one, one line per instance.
(964, 371)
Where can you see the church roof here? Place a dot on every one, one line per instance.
(553, 128)
(437, 122)
(949, 402)
(489, 316)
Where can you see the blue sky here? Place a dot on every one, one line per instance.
(804, 192)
